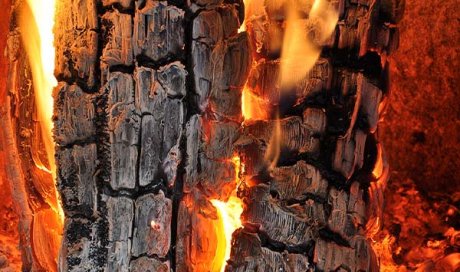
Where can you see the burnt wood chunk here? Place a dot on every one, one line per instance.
(249, 255)
(121, 212)
(217, 178)
(77, 40)
(124, 125)
(298, 181)
(221, 60)
(124, 136)
(371, 97)
(74, 115)
(193, 135)
(152, 231)
(329, 256)
(220, 72)
(76, 179)
(289, 225)
(118, 49)
(143, 264)
(158, 31)
(80, 242)
(349, 153)
(219, 138)
(209, 156)
(162, 118)
(295, 135)
(316, 119)
(263, 80)
(150, 153)
(153, 87)
(172, 77)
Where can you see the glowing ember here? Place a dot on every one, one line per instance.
(154, 225)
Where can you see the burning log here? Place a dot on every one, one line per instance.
(162, 160)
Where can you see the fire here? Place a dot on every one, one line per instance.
(229, 213)
(36, 23)
(299, 54)
(38, 39)
(253, 107)
(272, 154)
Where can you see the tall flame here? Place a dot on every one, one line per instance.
(38, 39)
(229, 213)
(299, 54)
(36, 23)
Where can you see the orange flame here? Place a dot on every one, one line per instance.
(253, 107)
(299, 55)
(229, 213)
(36, 23)
(38, 39)
(299, 52)
(272, 154)
(229, 216)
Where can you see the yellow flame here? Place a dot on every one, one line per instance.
(253, 107)
(299, 53)
(229, 213)
(272, 154)
(384, 250)
(36, 23)
(38, 40)
(246, 12)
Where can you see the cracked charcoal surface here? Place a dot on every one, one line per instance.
(148, 119)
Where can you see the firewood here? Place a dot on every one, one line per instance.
(149, 130)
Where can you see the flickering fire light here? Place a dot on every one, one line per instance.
(36, 23)
(38, 38)
(229, 213)
(229, 216)
(298, 56)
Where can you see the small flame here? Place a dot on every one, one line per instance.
(272, 154)
(229, 213)
(381, 169)
(246, 12)
(253, 107)
(384, 250)
(299, 52)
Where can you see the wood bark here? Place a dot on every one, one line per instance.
(148, 118)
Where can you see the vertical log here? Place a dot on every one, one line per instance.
(148, 118)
